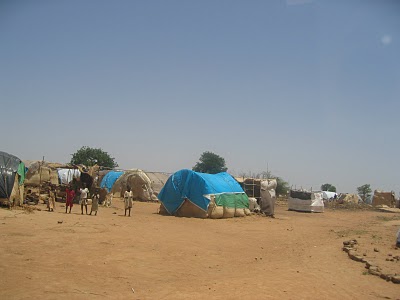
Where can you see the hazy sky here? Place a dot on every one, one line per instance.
(311, 88)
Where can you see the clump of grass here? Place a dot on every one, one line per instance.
(387, 218)
(350, 232)
(376, 237)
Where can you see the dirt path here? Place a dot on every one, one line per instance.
(296, 256)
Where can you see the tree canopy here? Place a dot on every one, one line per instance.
(364, 192)
(282, 187)
(210, 163)
(92, 156)
(328, 187)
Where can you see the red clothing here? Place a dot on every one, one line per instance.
(70, 197)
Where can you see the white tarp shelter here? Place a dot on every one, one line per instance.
(66, 175)
(305, 201)
(328, 195)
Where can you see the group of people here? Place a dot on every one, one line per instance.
(83, 200)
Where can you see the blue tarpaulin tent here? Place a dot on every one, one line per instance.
(194, 186)
(109, 179)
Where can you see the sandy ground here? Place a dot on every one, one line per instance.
(149, 256)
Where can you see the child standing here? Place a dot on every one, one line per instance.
(84, 196)
(128, 197)
(51, 205)
(70, 198)
(95, 203)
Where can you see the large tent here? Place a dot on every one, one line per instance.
(144, 185)
(200, 189)
(12, 176)
(109, 179)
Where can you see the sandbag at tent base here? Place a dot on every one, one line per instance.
(190, 210)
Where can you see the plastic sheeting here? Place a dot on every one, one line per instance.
(328, 195)
(314, 204)
(9, 165)
(196, 187)
(66, 175)
(109, 179)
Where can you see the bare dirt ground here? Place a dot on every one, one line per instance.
(149, 256)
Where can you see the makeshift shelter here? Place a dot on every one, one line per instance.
(348, 198)
(98, 178)
(251, 186)
(145, 186)
(109, 179)
(305, 201)
(42, 171)
(329, 195)
(193, 194)
(65, 176)
(383, 198)
(12, 177)
(42, 177)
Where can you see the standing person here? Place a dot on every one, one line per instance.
(51, 204)
(95, 203)
(84, 195)
(70, 195)
(267, 204)
(128, 197)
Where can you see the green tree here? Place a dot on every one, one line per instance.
(364, 192)
(91, 156)
(210, 163)
(328, 187)
(282, 187)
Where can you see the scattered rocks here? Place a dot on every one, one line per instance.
(355, 257)
(349, 245)
(396, 279)
(350, 242)
(373, 269)
(387, 277)
(346, 249)
(368, 264)
(59, 222)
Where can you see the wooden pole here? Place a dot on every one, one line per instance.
(40, 176)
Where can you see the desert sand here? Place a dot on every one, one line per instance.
(53, 255)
